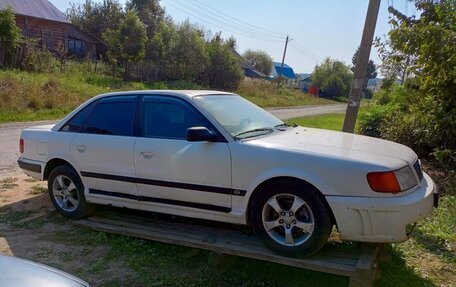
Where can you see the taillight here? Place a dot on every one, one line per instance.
(21, 146)
(383, 182)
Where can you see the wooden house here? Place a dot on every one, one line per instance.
(42, 21)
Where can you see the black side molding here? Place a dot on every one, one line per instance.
(190, 186)
(162, 200)
(29, 166)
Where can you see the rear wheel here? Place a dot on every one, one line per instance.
(291, 218)
(67, 192)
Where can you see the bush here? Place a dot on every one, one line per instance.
(40, 60)
(372, 119)
(333, 78)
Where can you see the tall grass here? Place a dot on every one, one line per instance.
(54, 92)
(265, 94)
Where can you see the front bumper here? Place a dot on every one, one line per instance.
(371, 219)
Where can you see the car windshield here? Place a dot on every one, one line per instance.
(241, 118)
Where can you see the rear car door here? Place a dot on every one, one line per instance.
(173, 172)
(104, 148)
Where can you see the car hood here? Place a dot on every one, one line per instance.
(23, 273)
(336, 144)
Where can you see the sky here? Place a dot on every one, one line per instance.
(318, 28)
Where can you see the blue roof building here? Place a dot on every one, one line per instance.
(286, 73)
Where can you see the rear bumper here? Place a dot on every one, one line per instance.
(383, 219)
(31, 167)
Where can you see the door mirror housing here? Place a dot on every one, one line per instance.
(200, 134)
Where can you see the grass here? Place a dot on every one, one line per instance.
(26, 96)
(329, 121)
(265, 94)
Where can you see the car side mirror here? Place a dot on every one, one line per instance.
(200, 134)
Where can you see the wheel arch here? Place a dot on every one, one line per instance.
(272, 180)
(53, 163)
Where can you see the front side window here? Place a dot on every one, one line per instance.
(168, 118)
(113, 116)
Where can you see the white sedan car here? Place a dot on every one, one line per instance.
(215, 155)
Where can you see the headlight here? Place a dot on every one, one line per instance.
(406, 178)
(392, 181)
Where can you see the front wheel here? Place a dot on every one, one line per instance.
(67, 192)
(291, 218)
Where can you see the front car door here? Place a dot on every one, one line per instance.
(104, 149)
(176, 174)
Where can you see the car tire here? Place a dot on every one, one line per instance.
(67, 192)
(291, 218)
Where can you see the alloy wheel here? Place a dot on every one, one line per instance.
(288, 219)
(65, 193)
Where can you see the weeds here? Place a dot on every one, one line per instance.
(8, 183)
(38, 189)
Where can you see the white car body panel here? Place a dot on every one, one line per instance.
(335, 163)
(105, 154)
(180, 161)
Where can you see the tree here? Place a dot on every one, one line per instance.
(260, 60)
(429, 43)
(187, 57)
(371, 67)
(370, 74)
(152, 15)
(223, 70)
(333, 78)
(96, 18)
(10, 35)
(127, 44)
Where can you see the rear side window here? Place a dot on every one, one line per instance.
(77, 121)
(113, 116)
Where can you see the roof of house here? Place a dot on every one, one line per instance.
(250, 71)
(287, 70)
(35, 8)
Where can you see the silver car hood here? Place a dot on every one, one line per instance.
(16, 272)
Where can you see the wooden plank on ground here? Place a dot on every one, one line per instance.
(346, 260)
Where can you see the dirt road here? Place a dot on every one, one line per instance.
(9, 133)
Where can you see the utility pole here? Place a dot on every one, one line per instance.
(283, 60)
(361, 66)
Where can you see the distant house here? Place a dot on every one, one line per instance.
(249, 70)
(304, 81)
(287, 73)
(42, 21)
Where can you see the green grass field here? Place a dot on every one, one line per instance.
(329, 121)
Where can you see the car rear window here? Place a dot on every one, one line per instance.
(77, 121)
(113, 116)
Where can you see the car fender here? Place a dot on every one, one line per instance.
(243, 202)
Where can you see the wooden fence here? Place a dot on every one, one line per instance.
(17, 58)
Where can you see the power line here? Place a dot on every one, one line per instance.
(222, 22)
(221, 26)
(306, 52)
(233, 19)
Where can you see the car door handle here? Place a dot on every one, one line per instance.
(81, 148)
(148, 154)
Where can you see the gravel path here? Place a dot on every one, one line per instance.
(10, 132)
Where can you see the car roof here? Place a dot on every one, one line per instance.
(179, 93)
